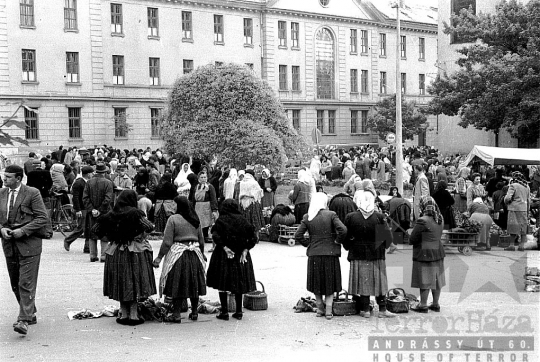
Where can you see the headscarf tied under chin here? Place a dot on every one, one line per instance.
(229, 183)
(429, 207)
(250, 191)
(186, 210)
(368, 187)
(365, 202)
(519, 178)
(318, 202)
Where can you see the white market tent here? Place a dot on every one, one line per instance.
(504, 156)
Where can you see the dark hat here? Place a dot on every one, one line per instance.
(101, 168)
(87, 169)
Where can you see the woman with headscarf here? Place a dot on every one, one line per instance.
(205, 203)
(165, 205)
(128, 274)
(368, 235)
(518, 200)
(315, 168)
(231, 268)
(479, 211)
(348, 171)
(236, 194)
(184, 267)
(445, 201)
(250, 196)
(181, 181)
(326, 167)
(500, 210)
(399, 210)
(229, 183)
(475, 190)
(268, 184)
(428, 255)
(342, 204)
(300, 196)
(140, 181)
(407, 170)
(353, 184)
(326, 233)
(460, 191)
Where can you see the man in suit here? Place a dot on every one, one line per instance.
(77, 189)
(97, 198)
(22, 215)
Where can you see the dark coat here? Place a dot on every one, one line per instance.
(326, 233)
(273, 183)
(368, 238)
(426, 240)
(41, 180)
(77, 189)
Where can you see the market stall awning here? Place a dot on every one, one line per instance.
(504, 156)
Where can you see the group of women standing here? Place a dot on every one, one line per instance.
(364, 233)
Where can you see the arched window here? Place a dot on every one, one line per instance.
(325, 63)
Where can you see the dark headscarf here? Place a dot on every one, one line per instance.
(441, 185)
(230, 207)
(390, 193)
(122, 224)
(429, 207)
(184, 208)
(232, 228)
(519, 178)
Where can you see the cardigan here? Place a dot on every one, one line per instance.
(179, 230)
(368, 238)
(326, 233)
(426, 240)
(518, 197)
(300, 194)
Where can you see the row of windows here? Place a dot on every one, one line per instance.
(73, 75)
(75, 121)
(382, 44)
(326, 121)
(70, 22)
(73, 68)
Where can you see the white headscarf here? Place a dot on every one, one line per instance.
(303, 176)
(181, 180)
(250, 191)
(319, 201)
(228, 184)
(366, 203)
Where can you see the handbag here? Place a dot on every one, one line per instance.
(397, 301)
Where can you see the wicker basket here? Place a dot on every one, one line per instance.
(343, 306)
(256, 300)
(506, 240)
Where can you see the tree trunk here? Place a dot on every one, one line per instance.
(496, 138)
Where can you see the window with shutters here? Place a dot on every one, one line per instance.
(70, 14)
(153, 64)
(29, 65)
(26, 8)
(187, 25)
(116, 19)
(153, 22)
(218, 29)
(118, 69)
(72, 67)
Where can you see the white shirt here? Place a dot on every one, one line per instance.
(15, 193)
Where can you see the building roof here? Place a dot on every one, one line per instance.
(341, 8)
(419, 11)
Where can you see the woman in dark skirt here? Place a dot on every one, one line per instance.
(301, 196)
(428, 255)
(129, 275)
(250, 197)
(231, 268)
(445, 201)
(268, 184)
(183, 273)
(368, 235)
(165, 206)
(326, 233)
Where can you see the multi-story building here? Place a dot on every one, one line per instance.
(85, 68)
(445, 133)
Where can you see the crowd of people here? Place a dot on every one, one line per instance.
(120, 196)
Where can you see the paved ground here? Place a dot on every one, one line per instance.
(483, 297)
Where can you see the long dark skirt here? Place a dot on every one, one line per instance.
(324, 275)
(186, 278)
(160, 220)
(129, 276)
(229, 274)
(254, 215)
(300, 210)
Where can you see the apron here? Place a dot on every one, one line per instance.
(203, 208)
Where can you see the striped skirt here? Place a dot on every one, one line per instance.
(368, 277)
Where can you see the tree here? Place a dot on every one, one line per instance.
(497, 85)
(6, 122)
(383, 118)
(227, 112)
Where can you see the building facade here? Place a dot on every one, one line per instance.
(90, 72)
